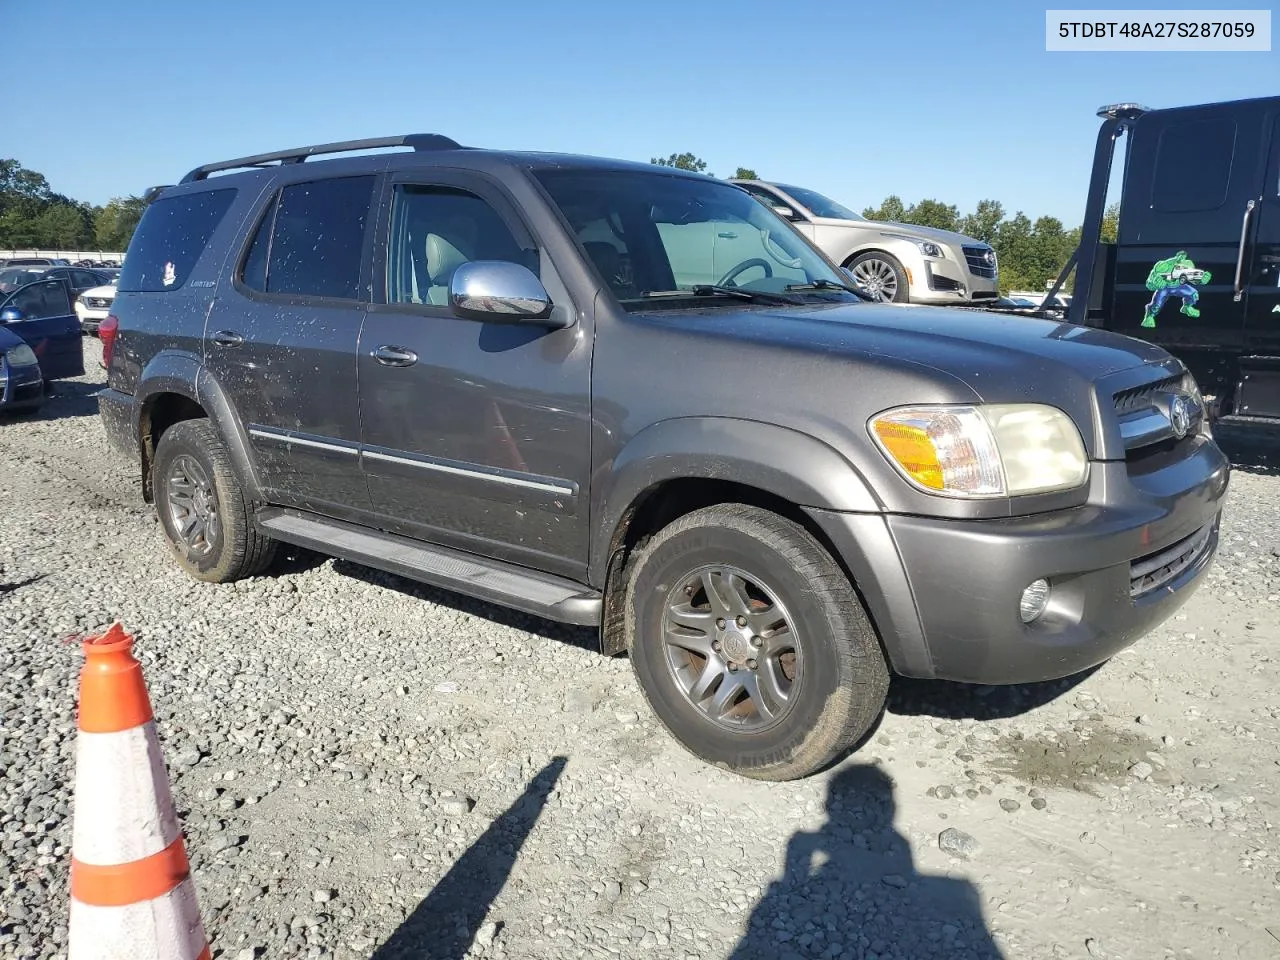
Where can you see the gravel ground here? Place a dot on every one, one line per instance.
(370, 768)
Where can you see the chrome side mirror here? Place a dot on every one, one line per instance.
(497, 291)
(785, 212)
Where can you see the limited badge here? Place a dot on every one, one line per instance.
(170, 276)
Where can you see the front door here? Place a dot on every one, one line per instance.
(476, 435)
(282, 337)
(48, 324)
(1191, 182)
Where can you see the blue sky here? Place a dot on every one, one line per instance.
(956, 101)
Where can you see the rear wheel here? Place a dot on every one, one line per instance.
(751, 645)
(204, 513)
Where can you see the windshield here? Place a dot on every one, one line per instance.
(819, 205)
(654, 234)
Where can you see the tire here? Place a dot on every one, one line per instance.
(227, 546)
(838, 677)
(876, 265)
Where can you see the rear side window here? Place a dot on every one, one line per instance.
(1193, 165)
(311, 240)
(170, 238)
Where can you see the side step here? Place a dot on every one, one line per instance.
(1259, 392)
(504, 584)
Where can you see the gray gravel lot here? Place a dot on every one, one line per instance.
(369, 768)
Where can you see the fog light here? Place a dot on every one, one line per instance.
(1034, 599)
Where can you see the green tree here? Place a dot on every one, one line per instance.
(113, 225)
(984, 223)
(891, 210)
(745, 173)
(1111, 223)
(64, 225)
(682, 161)
(932, 213)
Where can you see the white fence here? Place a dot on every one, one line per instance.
(69, 255)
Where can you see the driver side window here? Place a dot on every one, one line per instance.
(40, 301)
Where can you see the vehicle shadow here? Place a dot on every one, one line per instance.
(947, 700)
(584, 637)
(856, 873)
(70, 398)
(444, 924)
(1253, 449)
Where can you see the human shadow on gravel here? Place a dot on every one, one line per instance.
(69, 398)
(971, 701)
(444, 924)
(584, 637)
(856, 874)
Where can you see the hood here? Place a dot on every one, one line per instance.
(1000, 358)
(911, 229)
(9, 340)
(107, 290)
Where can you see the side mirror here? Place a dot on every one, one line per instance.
(785, 212)
(11, 315)
(497, 291)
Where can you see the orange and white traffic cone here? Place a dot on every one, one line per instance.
(131, 890)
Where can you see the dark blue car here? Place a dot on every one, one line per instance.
(40, 317)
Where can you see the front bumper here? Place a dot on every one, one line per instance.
(90, 317)
(944, 593)
(949, 280)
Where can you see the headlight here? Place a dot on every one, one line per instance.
(82, 301)
(927, 247)
(991, 450)
(21, 356)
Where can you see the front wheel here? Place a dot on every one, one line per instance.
(880, 276)
(205, 515)
(751, 645)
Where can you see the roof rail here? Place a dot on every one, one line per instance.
(419, 141)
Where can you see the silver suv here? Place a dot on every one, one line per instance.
(890, 261)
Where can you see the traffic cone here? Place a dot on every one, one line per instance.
(132, 897)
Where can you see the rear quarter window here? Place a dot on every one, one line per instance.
(169, 240)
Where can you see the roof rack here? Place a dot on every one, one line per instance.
(419, 141)
(153, 192)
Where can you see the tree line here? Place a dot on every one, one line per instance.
(33, 216)
(1031, 252)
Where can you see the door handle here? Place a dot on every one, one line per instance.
(727, 235)
(1238, 288)
(395, 356)
(227, 338)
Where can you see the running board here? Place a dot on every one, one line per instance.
(505, 584)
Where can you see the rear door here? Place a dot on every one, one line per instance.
(1192, 179)
(282, 343)
(1262, 305)
(49, 326)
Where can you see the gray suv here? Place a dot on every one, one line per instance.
(637, 399)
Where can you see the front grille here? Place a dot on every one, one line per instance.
(1139, 399)
(1150, 573)
(98, 303)
(976, 257)
(941, 283)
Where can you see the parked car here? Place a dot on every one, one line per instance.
(31, 262)
(21, 383)
(93, 306)
(41, 315)
(546, 382)
(891, 261)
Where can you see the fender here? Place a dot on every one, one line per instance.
(172, 371)
(777, 460)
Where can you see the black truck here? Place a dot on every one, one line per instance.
(1195, 267)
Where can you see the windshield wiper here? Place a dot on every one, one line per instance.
(715, 290)
(821, 284)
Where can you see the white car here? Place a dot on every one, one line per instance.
(93, 305)
(889, 261)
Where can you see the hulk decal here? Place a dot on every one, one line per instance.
(1174, 277)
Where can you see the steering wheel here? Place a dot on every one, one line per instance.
(743, 267)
